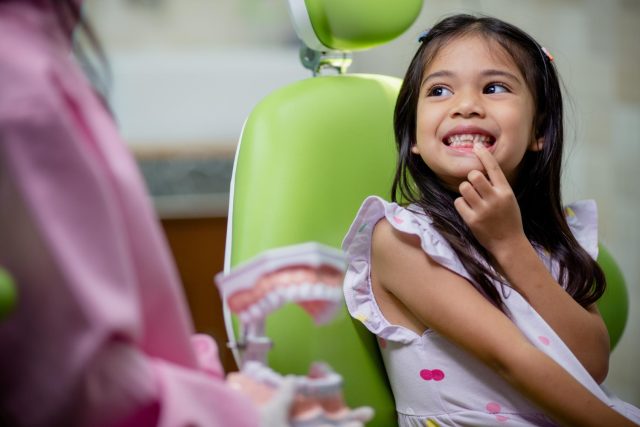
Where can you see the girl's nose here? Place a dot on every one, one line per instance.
(467, 105)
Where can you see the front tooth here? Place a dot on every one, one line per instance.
(306, 291)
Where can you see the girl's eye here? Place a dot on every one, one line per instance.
(439, 91)
(496, 88)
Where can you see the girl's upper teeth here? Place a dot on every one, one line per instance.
(468, 139)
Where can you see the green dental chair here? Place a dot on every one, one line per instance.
(309, 154)
(7, 294)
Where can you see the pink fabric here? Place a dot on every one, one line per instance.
(101, 334)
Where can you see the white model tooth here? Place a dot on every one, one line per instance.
(326, 291)
(302, 292)
(249, 369)
(290, 293)
(265, 305)
(273, 299)
(258, 373)
(245, 317)
(282, 295)
(255, 312)
(315, 291)
(336, 294)
(272, 376)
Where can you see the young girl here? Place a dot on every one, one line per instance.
(480, 287)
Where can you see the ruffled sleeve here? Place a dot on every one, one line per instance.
(582, 217)
(357, 246)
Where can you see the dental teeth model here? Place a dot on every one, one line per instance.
(310, 275)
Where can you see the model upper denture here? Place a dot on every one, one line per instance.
(309, 275)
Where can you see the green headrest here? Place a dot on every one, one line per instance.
(310, 152)
(348, 25)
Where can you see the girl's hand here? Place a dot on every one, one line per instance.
(489, 206)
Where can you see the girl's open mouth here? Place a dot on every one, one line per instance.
(467, 140)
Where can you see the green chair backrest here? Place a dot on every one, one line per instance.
(309, 155)
(614, 304)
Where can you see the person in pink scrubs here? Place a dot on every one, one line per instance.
(101, 335)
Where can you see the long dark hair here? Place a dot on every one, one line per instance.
(537, 186)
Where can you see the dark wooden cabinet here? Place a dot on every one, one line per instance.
(198, 248)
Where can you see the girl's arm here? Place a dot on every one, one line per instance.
(491, 210)
(428, 295)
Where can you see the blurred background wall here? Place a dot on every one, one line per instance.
(187, 73)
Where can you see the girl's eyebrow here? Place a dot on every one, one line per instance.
(484, 73)
(443, 73)
(501, 73)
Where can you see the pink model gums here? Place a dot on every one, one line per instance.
(309, 275)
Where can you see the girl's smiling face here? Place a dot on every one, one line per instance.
(473, 92)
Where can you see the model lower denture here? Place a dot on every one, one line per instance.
(318, 400)
(309, 275)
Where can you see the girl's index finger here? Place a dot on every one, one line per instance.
(496, 176)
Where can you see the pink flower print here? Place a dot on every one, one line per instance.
(494, 408)
(438, 375)
(382, 342)
(435, 374)
(544, 340)
(398, 220)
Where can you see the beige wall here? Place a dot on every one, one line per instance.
(247, 44)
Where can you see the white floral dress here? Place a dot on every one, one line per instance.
(434, 382)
